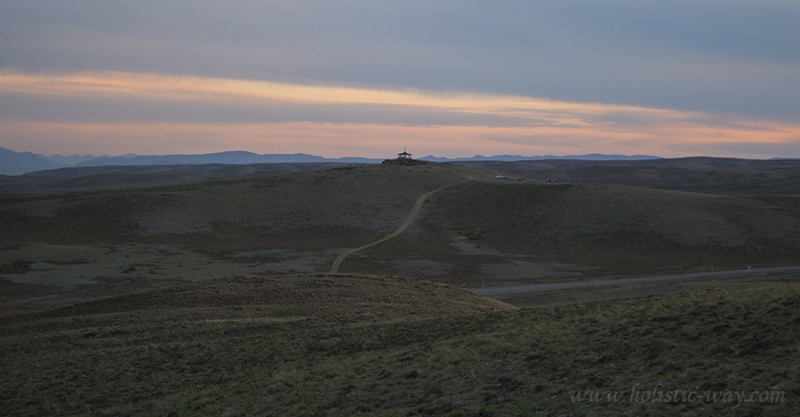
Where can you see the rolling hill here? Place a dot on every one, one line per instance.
(480, 231)
(121, 177)
(212, 296)
(726, 176)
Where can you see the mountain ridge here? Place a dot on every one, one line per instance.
(18, 163)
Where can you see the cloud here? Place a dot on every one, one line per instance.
(117, 112)
(735, 57)
(101, 92)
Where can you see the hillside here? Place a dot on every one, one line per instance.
(121, 177)
(213, 297)
(377, 346)
(704, 175)
(501, 233)
(724, 176)
(480, 231)
(362, 202)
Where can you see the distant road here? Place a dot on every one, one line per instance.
(410, 219)
(532, 288)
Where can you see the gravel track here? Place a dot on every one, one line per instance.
(410, 219)
(533, 288)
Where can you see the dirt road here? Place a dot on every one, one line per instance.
(522, 289)
(410, 219)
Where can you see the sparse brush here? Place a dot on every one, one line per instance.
(182, 360)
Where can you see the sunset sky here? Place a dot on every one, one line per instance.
(365, 78)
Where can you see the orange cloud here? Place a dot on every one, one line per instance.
(178, 88)
(555, 127)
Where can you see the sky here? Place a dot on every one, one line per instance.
(367, 78)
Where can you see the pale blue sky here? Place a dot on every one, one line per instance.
(726, 59)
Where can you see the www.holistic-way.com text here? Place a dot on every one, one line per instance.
(660, 394)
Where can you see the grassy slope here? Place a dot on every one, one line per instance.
(315, 345)
(611, 229)
(598, 221)
(316, 208)
(220, 354)
(697, 174)
(523, 231)
(121, 177)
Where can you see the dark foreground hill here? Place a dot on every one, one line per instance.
(372, 346)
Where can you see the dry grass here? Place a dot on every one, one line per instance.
(362, 202)
(528, 232)
(351, 344)
(191, 351)
(485, 232)
(696, 174)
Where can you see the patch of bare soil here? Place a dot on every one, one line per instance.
(20, 266)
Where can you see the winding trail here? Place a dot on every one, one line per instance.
(410, 219)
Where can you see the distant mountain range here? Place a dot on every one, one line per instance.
(228, 158)
(17, 163)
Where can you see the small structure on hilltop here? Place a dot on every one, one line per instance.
(404, 158)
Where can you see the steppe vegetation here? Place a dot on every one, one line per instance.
(482, 232)
(353, 345)
(121, 177)
(724, 176)
(211, 296)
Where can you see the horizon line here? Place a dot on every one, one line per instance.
(643, 156)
